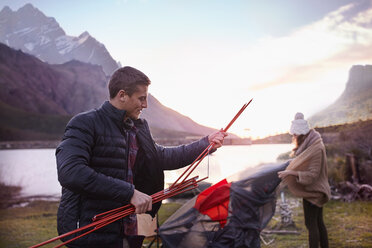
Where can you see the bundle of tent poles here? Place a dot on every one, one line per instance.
(176, 188)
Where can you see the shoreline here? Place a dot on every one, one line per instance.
(34, 144)
(347, 223)
(45, 144)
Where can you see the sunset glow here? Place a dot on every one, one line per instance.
(206, 59)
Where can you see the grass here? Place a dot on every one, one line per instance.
(348, 224)
(30, 225)
(26, 226)
(167, 210)
(8, 195)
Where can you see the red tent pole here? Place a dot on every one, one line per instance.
(113, 215)
(127, 209)
(196, 162)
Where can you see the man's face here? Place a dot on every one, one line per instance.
(136, 102)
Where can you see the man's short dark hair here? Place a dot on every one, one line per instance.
(126, 78)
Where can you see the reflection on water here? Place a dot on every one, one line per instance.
(35, 169)
(229, 160)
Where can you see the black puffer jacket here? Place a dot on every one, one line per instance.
(92, 169)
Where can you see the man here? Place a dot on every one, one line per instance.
(107, 159)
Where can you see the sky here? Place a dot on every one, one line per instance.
(207, 58)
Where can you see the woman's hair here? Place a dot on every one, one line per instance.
(297, 140)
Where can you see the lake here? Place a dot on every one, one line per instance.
(35, 169)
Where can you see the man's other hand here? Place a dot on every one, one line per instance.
(217, 138)
(141, 202)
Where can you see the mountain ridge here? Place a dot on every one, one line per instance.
(66, 89)
(354, 104)
(33, 32)
(35, 86)
(55, 80)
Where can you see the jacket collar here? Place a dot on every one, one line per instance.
(118, 115)
(114, 113)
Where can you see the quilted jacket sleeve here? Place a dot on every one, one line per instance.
(177, 157)
(73, 157)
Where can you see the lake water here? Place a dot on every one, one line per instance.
(35, 169)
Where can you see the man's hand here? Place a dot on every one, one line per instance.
(217, 138)
(283, 174)
(141, 202)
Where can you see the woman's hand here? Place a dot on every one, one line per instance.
(283, 174)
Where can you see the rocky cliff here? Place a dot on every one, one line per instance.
(29, 84)
(354, 104)
(34, 93)
(31, 31)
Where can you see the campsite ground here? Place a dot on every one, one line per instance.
(349, 224)
(37, 222)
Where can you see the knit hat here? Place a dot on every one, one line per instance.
(299, 125)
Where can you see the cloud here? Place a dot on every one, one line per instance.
(341, 38)
(355, 54)
(303, 71)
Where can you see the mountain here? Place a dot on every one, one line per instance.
(29, 84)
(31, 31)
(73, 80)
(354, 104)
(157, 113)
(37, 99)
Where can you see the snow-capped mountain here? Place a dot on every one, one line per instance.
(31, 31)
(31, 88)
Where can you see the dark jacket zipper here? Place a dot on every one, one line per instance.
(79, 213)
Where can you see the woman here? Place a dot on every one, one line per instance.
(306, 176)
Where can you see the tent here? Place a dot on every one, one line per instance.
(231, 213)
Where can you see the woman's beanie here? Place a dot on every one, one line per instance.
(299, 125)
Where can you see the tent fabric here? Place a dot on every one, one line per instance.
(214, 202)
(231, 213)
